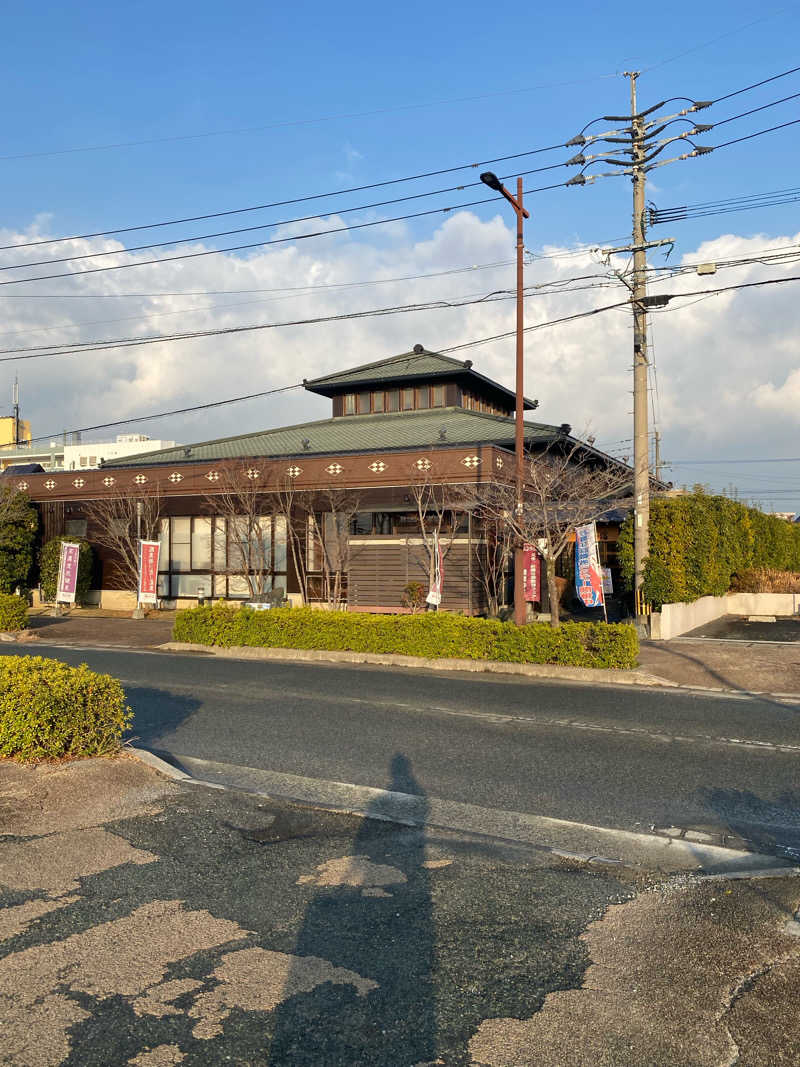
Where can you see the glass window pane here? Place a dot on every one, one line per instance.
(238, 587)
(437, 396)
(181, 556)
(181, 531)
(220, 545)
(261, 549)
(191, 585)
(423, 397)
(279, 548)
(220, 587)
(163, 585)
(349, 404)
(393, 400)
(377, 401)
(363, 403)
(408, 399)
(201, 544)
(163, 552)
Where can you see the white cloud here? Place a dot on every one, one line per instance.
(728, 366)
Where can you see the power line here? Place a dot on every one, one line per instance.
(259, 226)
(757, 85)
(286, 203)
(306, 122)
(82, 347)
(168, 414)
(276, 240)
(758, 133)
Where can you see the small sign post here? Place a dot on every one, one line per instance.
(147, 592)
(532, 572)
(67, 574)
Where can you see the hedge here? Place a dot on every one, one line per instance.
(49, 560)
(13, 612)
(699, 542)
(432, 635)
(18, 531)
(49, 710)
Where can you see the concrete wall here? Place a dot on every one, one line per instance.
(676, 619)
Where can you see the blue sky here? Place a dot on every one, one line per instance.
(334, 96)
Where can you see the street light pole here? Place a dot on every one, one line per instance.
(490, 179)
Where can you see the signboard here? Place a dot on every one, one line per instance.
(434, 596)
(532, 573)
(148, 572)
(67, 572)
(588, 578)
(608, 584)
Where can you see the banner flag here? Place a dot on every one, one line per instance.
(148, 572)
(588, 576)
(532, 573)
(68, 572)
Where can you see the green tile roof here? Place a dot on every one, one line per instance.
(410, 366)
(406, 365)
(353, 433)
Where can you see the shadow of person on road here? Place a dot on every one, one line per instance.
(770, 826)
(371, 915)
(157, 713)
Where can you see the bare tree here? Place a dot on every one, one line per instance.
(494, 540)
(245, 545)
(330, 514)
(117, 522)
(566, 486)
(438, 507)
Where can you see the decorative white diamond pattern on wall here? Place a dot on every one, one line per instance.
(108, 481)
(79, 483)
(213, 476)
(499, 462)
(423, 464)
(334, 468)
(252, 473)
(377, 467)
(49, 484)
(140, 479)
(176, 477)
(22, 485)
(293, 472)
(471, 461)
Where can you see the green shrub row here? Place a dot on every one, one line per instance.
(49, 710)
(433, 635)
(13, 612)
(699, 542)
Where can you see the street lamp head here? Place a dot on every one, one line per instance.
(490, 179)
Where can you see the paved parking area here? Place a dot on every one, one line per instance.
(736, 628)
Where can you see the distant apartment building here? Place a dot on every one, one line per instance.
(79, 455)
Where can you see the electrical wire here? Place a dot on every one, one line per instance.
(757, 85)
(278, 240)
(758, 133)
(286, 203)
(249, 229)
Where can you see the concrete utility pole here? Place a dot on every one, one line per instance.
(641, 448)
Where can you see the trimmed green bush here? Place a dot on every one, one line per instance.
(49, 559)
(49, 710)
(699, 542)
(13, 612)
(433, 635)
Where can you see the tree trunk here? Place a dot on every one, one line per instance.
(552, 591)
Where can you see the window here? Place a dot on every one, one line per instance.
(362, 523)
(378, 401)
(437, 396)
(393, 400)
(423, 396)
(84, 461)
(363, 403)
(75, 527)
(349, 404)
(201, 545)
(181, 557)
(408, 399)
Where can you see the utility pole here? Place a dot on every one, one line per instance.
(16, 412)
(641, 449)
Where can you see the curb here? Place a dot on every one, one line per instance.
(527, 670)
(592, 859)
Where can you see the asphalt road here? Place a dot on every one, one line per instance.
(616, 757)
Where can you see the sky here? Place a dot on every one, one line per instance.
(128, 115)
